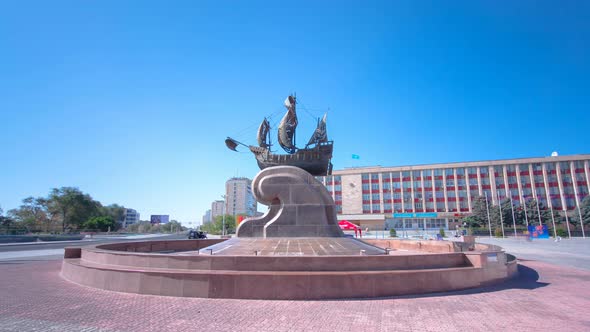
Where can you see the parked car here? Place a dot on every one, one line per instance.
(195, 234)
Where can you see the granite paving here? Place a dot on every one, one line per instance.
(545, 297)
(304, 246)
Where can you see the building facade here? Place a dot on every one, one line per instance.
(131, 217)
(239, 197)
(431, 196)
(206, 217)
(217, 209)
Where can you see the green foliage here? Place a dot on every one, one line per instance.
(472, 221)
(479, 215)
(215, 226)
(498, 232)
(561, 232)
(73, 206)
(392, 233)
(584, 210)
(102, 223)
(442, 232)
(64, 209)
(172, 227)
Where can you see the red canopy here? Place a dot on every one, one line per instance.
(346, 225)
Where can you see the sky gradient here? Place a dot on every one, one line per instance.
(131, 101)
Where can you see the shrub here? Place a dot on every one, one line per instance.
(561, 232)
(498, 232)
(442, 232)
(392, 233)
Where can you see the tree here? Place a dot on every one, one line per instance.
(215, 227)
(479, 215)
(102, 223)
(172, 226)
(584, 210)
(5, 222)
(116, 212)
(32, 213)
(73, 206)
(507, 212)
(533, 213)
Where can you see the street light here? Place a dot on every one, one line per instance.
(223, 217)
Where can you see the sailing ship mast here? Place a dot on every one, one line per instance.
(286, 134)
(320, 134)
(263, 136)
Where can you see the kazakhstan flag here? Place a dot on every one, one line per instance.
(356, 156)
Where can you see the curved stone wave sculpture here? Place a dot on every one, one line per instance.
(300, 206)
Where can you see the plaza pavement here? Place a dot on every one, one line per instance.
(546, 297)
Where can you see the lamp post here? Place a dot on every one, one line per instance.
(512, 208)
(553, 221)
(488, 210)
(223, 217)
(581, 221)
(501, 219)
(526, 218)
(567, 222)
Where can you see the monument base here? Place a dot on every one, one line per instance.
(304, 246)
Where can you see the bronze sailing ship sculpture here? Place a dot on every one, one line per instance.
(315, 157)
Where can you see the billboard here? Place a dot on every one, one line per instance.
(538, 232)
(159, 218)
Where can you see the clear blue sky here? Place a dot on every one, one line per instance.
(131, 100)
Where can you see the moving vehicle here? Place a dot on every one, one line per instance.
(196, 234)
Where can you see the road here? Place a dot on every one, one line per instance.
(54, 250)
(573, 252)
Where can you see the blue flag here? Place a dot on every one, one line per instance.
(356, 156)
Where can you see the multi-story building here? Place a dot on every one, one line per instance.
(430, 196)
(130, 217)
(239, 197)
(207, 217)
(217, 209)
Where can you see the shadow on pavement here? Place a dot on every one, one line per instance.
(527, 279)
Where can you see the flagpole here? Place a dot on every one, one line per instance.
(512, 208)
(539, 213)
(581, 221)
(501, 219)
(526, 218)
(567, 222)
(488, 209)
(553, 220)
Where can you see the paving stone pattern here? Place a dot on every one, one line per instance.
(34, 298)
(316, 246)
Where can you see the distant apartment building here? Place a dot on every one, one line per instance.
(239, 197)
(207, 217)
(217, 209)
(130, 217)
(159, 218)
(430, 196)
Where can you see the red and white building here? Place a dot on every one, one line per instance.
(430, 196)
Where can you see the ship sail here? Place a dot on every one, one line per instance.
(263, 134)
(287, 127)
(320, 135)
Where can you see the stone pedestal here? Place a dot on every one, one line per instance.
(300, 206)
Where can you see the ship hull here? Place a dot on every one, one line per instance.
(316, 161)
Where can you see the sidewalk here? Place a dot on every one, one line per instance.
(544, 298)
